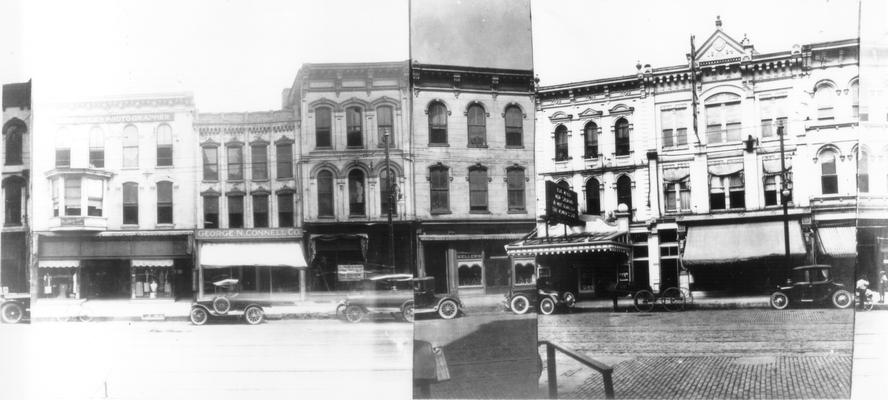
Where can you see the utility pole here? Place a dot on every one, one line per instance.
(694, 100)
(784, 194)
(390, 187)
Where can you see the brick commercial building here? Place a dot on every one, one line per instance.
(15, 159)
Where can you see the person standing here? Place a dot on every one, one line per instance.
(883, 284)
(862, 284)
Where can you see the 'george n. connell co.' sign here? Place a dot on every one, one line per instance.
(561, 205)
(247, 234)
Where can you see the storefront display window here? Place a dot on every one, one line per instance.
(152, 282)
(524, 273)
(58, 283)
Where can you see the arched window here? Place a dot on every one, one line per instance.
(356, 192)
(590, 140)
(514, 127)
(164, 202)
(323, 127)
(164, 146)
(12, 193)
(561, 152)
(723, 118)
(829, 180)
(621, 137)
(12, 135)
(130, 203)
(385, 124)
(564, 184)
(96, 148)
(325, 194)
(477, 189)
(593, 197)
(354, 125)
(862, 172)
(130, 147)
(515, 182)
(437, 123)
(855, 100)
(387, 181)
(477, 126)
(825, 99)
(439, 183)
(624, 191)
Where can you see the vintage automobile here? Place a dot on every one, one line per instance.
(811, 284)
(15, 308)
(229, 302)
(543, 296)
(400, 295)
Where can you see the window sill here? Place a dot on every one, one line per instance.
(382, 146)
(260, 180)
(284, 178)
(129, 226)
(355, 148)
(479, 211)
(728, 210)
(591, 157)
(562, 161)
(164, 226)
(356, 216)
(439, 144)
(323, 148)
(124, 168)
(441, 212)
(210, 180)
(516, 147)
(327, 217)
(471, 286)
(675, 148)
(477, 146)
(517, 212)
(239, 180)
(164, 167)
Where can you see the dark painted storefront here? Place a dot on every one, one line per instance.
(14, 268)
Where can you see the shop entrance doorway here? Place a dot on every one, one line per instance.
(106, 279)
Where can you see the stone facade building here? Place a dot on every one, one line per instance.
(15, 159)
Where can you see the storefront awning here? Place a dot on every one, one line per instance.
(722, 244)
(579, 243)
(494, 236)
(279, 254)
(167, 263)
(58, 264)
(840, 241)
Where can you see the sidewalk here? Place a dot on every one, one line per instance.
(697, 301)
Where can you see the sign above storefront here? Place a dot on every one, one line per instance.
(561, 205)
(350, 272)
(248, 234)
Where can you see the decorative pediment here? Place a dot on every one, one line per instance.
(561, 116)
(621, 109)
(590, 113)
(720, 48)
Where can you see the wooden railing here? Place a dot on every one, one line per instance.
(605, 370)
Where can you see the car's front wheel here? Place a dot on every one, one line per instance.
(842, 298)
(254, 315)
(547, 306)
(12, 313)
(644, 301)
(519, 304)
(407, 312)
(779, 300)
(569, 299)
(199, 316)
(354, 314)
(448, 309)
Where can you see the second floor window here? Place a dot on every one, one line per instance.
(164, 202)
(478, 189)
(829, 179)
(62, 149)
(514, 127)
(12, 190)
(477, 125)
(674, 125)
(211, 212)
(284, 161)
(773, 186)
(385, 124)
(96, 148)
(773, 115)
(561, 153)
(285, 210)
(825, 100)
(590, 140)
(12, 137)
(164, 146)
(356, 193)
(323, 127)
(260, 211)
(855, 100)
(95, 188)
(387, 181)
(723, 118)
(727, 192)
(354, 126)
(325, 194)
(259, 162)
(235, 163)
(210, 163)
(678, 196)
(72, 196)
(130, 203)
(439, 182)
(130, 147)
(624, 191)
(622, 142)
(862, 172)
(437, 123)
(235, 211)
(593, 197)
(515, 189)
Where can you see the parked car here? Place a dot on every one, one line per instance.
(811, 284)
(15, 308)
(427, 301)
(230, 302)
(542, 296)
(383, 294)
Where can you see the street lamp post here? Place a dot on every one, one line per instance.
(390, 186)
(784, 194)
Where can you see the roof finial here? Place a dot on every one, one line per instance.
(718, 22)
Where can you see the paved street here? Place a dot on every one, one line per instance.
(870, 355)
(707, 354)
(175, 360)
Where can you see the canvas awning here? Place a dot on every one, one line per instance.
(166, 263)
(578, 243)
(276, 254)
(58, 264)
(722, 244)
(839, 241)
(447, 237)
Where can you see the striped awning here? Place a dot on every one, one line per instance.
(167, 263)
(838, 241)
(580, 243)
(731, 243)
(494, 236)
(58, 263)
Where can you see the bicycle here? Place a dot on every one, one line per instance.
(672, 299)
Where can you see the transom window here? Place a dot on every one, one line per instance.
(829, 180)
(621, 133)
(354, 127)
(590, 140)
(437, 123)
(723, 118)
(514, 127)
(561, 149)
(323, 124)
(674, 126)
(477, 125)
(164, 146)
(478, 189)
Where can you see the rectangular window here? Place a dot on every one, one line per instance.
(55, 197)
(678, 196)
(210, 163)
(737, 194)
(440, 190)
(771, 190)
(713, 124)
(96, 148)
(732, 122)
(516, 189)
(235, 211)
(94, 191)
(825, 114)
(211, 212)
(13, 201)
(164, 202)
(716, 193)
(164, 146)
(130, 204)
(385, 124)
(514, 127)
(63, 158)
(259, 153)
(285, 210)
(235, 163)
(354, 127)
(673, 123)
(773, 113)
(284, 161)
(478, 190)
(72, 196)
(260, 211)
(323, 123)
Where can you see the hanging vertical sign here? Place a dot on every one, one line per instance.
(561, 205)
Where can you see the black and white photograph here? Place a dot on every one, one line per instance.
(444, 199)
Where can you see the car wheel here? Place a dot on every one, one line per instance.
(842, 298)
(519, 304)
(221, 305)
(779, 300)
(644, 301)
(254, 315)
(12, 313)
(354, 314)
(340, 312)
(448, 309)
(674, 299)
(569, 299)
(199, 316)
(547, 306)
(407, 312)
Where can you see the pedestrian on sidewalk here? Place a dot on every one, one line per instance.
(883, 284)
(862, 284)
